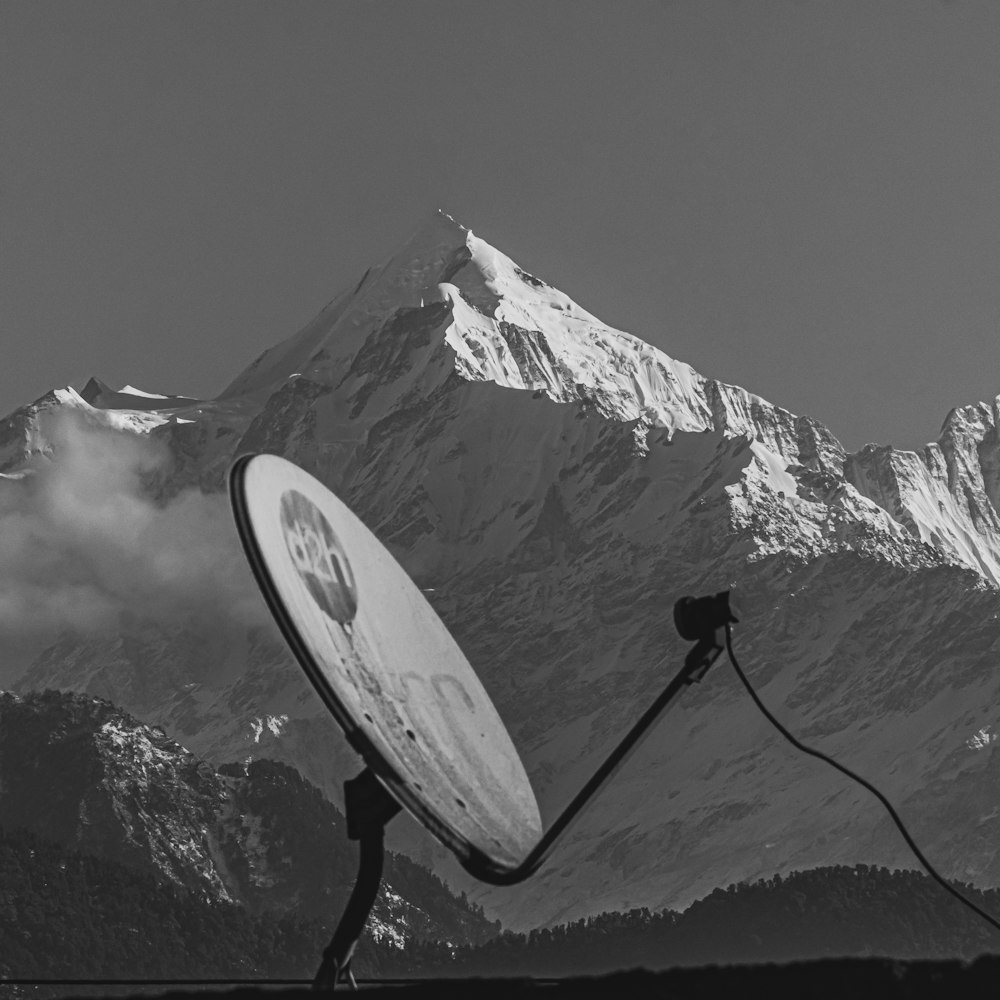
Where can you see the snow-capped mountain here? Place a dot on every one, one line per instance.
(554, 485)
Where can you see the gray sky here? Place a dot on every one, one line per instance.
(802, 198)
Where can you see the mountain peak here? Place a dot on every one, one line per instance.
(443, 221)
(437, 233)
(555, 483)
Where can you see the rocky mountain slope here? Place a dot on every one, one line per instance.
(553, 485)
(77, 771)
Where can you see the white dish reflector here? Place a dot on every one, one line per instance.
(385, 665)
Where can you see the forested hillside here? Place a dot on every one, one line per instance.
(835, 911)
(65, 914)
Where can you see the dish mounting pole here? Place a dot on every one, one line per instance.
(368, 807)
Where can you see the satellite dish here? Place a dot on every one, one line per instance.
(404, 694)
(385, 665)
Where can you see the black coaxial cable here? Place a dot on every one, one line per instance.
(911, 843)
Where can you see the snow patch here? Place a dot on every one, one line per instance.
(131, 390)
(981, 739)
(272, 723)
(775, 469)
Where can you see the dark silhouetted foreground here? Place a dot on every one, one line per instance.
(826, 979)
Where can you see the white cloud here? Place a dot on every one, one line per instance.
(83, 541)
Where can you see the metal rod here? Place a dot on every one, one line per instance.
(697, 662)
(368, 807)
